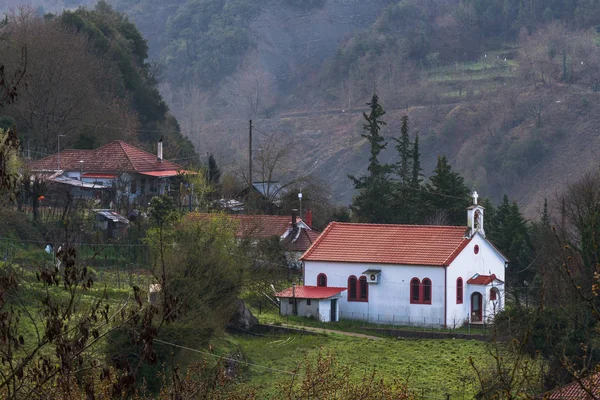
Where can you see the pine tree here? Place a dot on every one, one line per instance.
(447, 193)
(373, 203)
(376, 140)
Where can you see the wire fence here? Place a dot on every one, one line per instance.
(386, 324)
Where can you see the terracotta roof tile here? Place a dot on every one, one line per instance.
(388, 244)
(482, 279)
(311, 292)
(255, 226)
(116, 156)
(575, 391)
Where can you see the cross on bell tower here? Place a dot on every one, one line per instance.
(475, 216)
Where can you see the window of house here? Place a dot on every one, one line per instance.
(459, 291)
(291, 301)
(308, 302)
(133, 186)
(426, 291)
(415, 288)
(352, 288)
(321, 280)
(363, 288)
(493, 294)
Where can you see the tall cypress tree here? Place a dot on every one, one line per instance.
(415, 192)
(404, 153)
(402, 203)
(214, 174)
(372, 204)
(415, 181)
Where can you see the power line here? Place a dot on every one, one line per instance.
(225, 358)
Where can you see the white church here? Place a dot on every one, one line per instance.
(401, 274)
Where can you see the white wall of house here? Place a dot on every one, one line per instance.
(488, 261)
(388, 300)
(319, 309)
(325, 310)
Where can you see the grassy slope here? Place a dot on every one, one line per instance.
(431, 367)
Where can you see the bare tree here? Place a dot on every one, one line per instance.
(252, 89)
(69, 90)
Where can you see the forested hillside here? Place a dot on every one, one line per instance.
(506, 89)
(88, 81)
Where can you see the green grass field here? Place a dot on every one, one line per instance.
(432, 368)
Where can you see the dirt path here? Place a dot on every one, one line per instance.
(323, 330)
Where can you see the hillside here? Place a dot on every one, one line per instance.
(509, 103)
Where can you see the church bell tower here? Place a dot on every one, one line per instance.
(475, 216)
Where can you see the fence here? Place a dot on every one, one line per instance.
(389, 324)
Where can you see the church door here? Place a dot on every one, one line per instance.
(476, 300)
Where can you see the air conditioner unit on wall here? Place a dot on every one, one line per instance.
(372, 275)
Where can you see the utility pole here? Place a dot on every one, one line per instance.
(250, 157)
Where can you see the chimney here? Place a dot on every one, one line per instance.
(294, 217)
(160, 150)
(308, 218)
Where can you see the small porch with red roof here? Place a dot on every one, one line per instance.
(319, 302)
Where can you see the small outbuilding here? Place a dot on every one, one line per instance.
(311, 301)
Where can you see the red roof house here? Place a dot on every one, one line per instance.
(586, 389)
(117, 166)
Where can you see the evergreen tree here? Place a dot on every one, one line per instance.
(213, 173)
(373, 203)
(447, 193)
(415, 193)
(402, 193)
(512, 236)
(415, 181)
(404, 154)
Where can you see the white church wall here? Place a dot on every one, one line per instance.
(486, 262)
(388, 300)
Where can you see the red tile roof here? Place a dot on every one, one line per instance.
(388, 244)
(311, 292)
(482, 279)
(116, 156)
(575, 391)
(255, 226)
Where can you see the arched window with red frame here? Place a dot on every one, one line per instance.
(426, 291)
(363, 288)
(321, 280)
(352, 288)
(415, 288)
(459, 291)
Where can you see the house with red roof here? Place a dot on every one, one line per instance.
(117, 169)
(296, 235)
(587, 388)
(408, 274)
